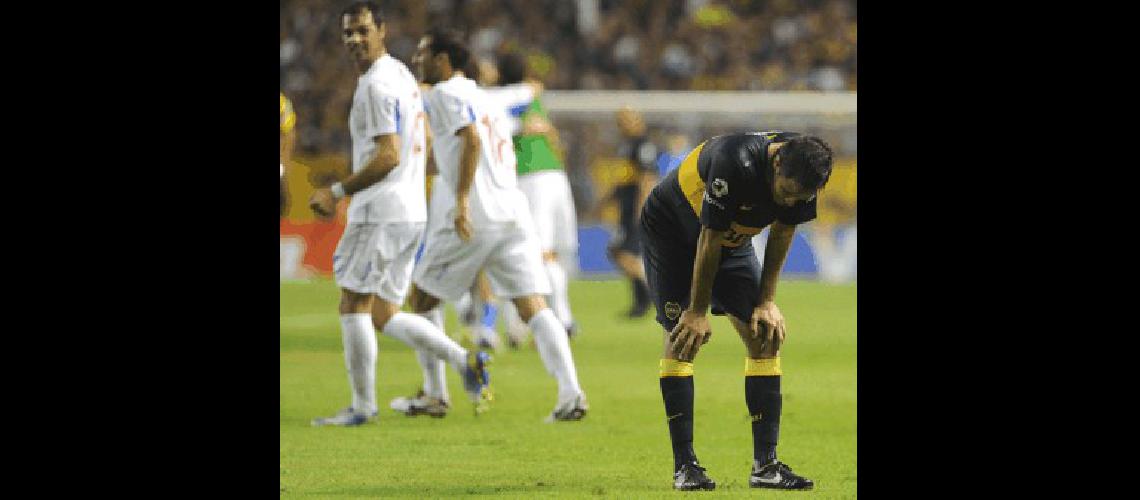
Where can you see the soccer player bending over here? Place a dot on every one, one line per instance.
(697, 226)
(374, 259)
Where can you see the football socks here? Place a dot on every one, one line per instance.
(677, 393)
(765, 403)
(359, 337)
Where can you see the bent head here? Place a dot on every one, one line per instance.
(801, 168)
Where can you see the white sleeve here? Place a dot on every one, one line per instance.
(454, 112)
(382, 114)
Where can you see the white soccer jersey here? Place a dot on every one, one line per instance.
(388, 101)
(454, 104)
(514, 99)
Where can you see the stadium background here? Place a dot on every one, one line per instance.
(695, 68)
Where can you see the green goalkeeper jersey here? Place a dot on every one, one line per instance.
(534, 151)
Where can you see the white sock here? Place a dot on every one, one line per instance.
(554, 348)
(420, 334)
(560, 298)
(359, 337)
(435, 369)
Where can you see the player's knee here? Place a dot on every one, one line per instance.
(550, 256)
(529, 306)
(382, 311)
(354, 303)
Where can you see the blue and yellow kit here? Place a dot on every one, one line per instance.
(725, 183)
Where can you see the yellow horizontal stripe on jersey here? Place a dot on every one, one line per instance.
(674, 368)
(762, 367)
(690, 180)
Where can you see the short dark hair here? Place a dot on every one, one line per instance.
(807, 160)
(359, 7)
(512, 68)
(450, 43)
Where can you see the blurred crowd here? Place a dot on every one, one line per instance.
(582, 45)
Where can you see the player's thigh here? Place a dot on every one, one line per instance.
(515, 267)
(448, 265)
(668, 272)
(396, 248)
(736, 291)
(564, 219)
(539, 197)
(355, 259)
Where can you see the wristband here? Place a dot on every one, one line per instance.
(337, 190)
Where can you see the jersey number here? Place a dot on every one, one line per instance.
(497, 141)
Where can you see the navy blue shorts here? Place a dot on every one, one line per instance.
(669, 271)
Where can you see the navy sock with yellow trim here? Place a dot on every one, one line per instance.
(765, 403)
(677, 393)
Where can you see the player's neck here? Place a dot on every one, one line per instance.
(364, 69)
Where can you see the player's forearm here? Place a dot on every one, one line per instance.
(374, 172)
(468, 161)
(776, 250)
(704, 269)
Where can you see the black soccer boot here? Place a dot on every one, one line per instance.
(692, 477)
(779, 476)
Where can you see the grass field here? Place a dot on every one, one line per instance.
(620, 450)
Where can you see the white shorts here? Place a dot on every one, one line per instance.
(509, 256)
(377, 258)
(552, 206)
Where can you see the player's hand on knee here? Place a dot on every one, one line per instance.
(323, 203)
(692, 331)
(768, 326)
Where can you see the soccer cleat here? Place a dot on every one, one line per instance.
(779, 476)
(477, 380)
(344, 418)
(420, 404)
(692, 477)
(572, 409)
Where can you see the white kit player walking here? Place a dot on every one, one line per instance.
(542, 178)
(491, 227)
(374, 259)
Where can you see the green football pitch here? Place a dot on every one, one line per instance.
(620, 450)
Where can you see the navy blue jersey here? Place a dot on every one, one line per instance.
(724, 184)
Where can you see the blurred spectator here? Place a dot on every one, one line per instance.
(584, 44)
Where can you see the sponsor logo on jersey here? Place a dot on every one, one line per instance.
(719, 187)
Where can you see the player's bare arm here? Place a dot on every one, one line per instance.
(323, 201)
(692, 328)
(767, 321)
(468, 161)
